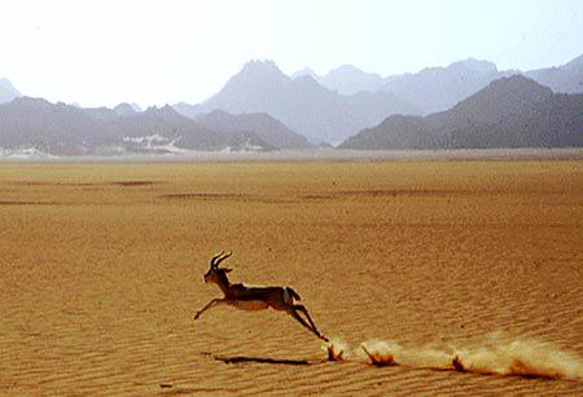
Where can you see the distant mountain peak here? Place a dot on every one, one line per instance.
(32, 102)
(349, 80)
(166, 110)
(305, 72)
(346, 68)
(505, 96)
(567, 78)
(7, 91)
(469, 64)
(6, 84)
(475, 65)
(218, 114)
(575, 63)
(307, 81)
(125, 109)
(259, 66)
(257, 74)
(518, 84)
(351, 72)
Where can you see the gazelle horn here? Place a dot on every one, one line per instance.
(214, 258)
(223, 258)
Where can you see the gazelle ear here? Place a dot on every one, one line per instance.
(227, 270)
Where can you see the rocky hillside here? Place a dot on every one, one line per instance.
(68, 130)
(263, 125)
(510, 112)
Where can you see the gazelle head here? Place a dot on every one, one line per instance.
(215, 274)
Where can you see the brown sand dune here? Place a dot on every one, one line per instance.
(102, 270)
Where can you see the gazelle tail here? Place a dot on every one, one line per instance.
(293, 293)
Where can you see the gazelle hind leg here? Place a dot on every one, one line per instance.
(311, 326)
(303, 309)
(295, 315)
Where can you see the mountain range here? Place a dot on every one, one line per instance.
(302, 104)
(335, 106)
(509, 112)
(69, 130)
(436, 89)
(261, 108)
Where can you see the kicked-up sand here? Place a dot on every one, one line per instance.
(459, 277)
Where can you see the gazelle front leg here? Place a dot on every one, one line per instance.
(209, 305)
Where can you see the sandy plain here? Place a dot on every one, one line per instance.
(102, 264)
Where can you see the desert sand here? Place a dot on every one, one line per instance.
(102, 264)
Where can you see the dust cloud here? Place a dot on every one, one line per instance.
(337, 350)
(494, 355)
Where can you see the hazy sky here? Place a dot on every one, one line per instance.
(156, 52)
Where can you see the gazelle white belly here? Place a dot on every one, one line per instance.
(250, 305)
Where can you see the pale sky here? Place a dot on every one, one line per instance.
(101, 53)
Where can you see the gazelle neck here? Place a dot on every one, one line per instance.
(223, 282)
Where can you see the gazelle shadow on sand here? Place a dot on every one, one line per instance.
(258, 360)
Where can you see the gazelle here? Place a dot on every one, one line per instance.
(254, 298)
